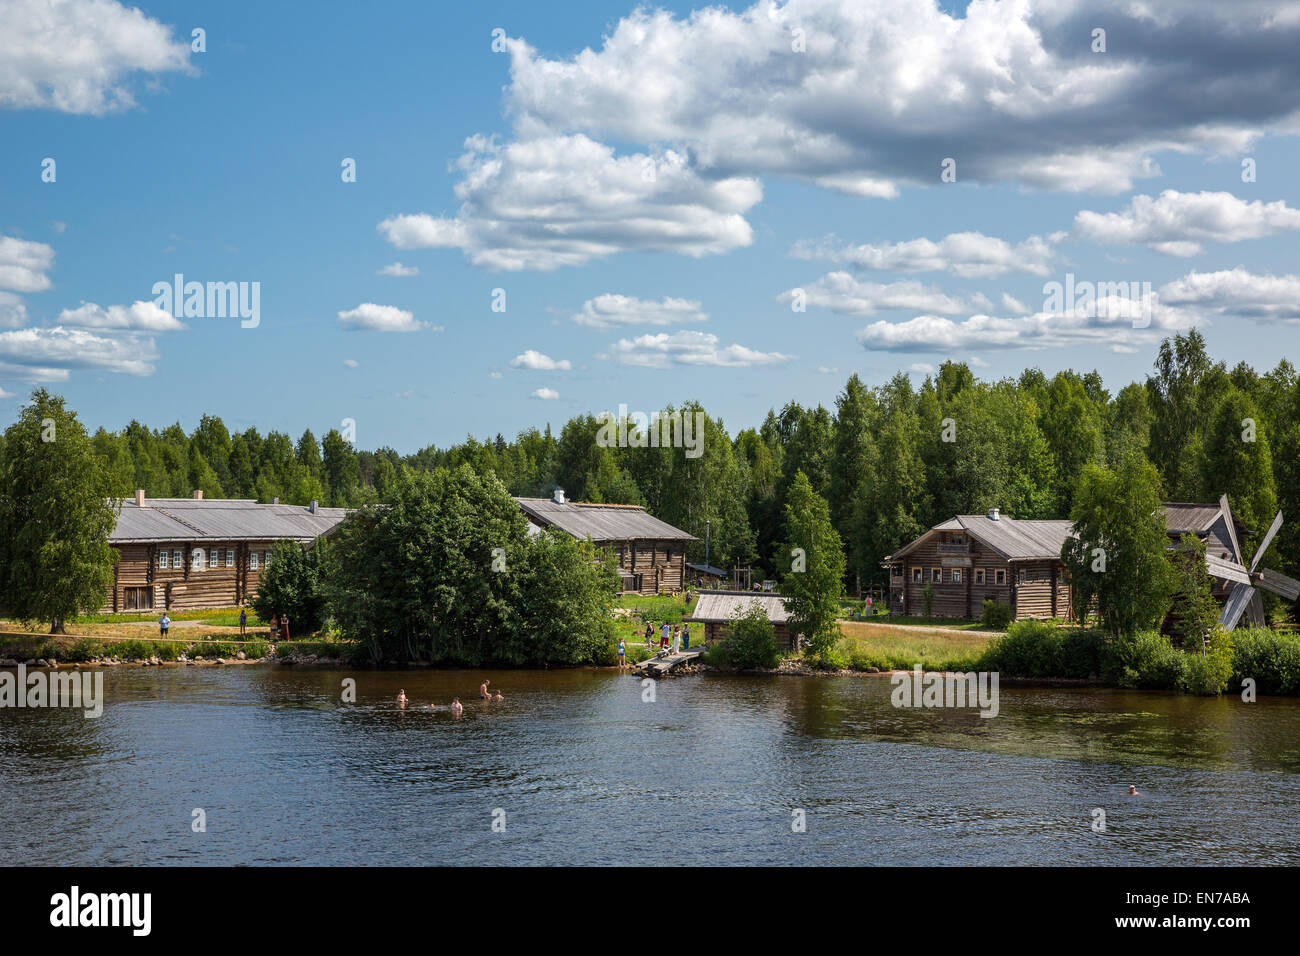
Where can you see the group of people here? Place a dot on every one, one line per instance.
(457, 708)
(279, 626)
(676, 636)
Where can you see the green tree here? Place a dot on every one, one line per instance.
(295, 582)
(815, 580)
(1193, 610)
(56, 514)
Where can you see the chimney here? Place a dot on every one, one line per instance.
(275, 501)
(558, 497)
(139, 497)
(313, 506)
(198, 494)
(993, 514)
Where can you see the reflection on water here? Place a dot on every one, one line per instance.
(588, 773)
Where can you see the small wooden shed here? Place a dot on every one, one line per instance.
(716, 609)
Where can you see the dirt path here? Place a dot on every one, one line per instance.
(916, 628)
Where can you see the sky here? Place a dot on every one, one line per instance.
(564, 208)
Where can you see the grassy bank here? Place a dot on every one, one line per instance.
(68, 649)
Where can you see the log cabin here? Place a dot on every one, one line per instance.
(716, 609)
(972, 558)
(183, 553)
(649, 554)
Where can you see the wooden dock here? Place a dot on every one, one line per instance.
(660, 666)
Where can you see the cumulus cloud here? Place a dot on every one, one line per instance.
(1120, 323)
(1177, 223)
(351, 363)
(688, 348)
(23, 265)
(882, 92)
(139, 316)
(565, 200)
(546, 394)
(536, 361)
(380, 318)
(1236, 292)
(77, 56)
(13, 312)
(398, 270)
(610, 310)
(46, 354)
(843, 293)
(971, 255)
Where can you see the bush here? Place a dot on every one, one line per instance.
(1209, 669)
(1029, 649)
(996, 616)
(295, 582)
(1080, 654)
(750, 642)
(1270, 658)
(1146, 660)
(84, 650)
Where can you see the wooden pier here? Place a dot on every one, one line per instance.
(660, 666)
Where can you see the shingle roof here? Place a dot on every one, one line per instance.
(1013, 538)
(600, 522)
(219, 519)
(1181, 516)
(715, 607)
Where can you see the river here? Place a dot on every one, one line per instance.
(574, 767)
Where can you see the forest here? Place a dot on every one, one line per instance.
(890, 460)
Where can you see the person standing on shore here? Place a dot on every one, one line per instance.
(622, 653)
(275, 628)
(663, 636)
(677, 638)
(686, 637)
(649, 634)
(243, 621)
(284, 627)
(164, 622)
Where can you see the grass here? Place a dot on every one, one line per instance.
(865, 645)
(958, 623)
(215, 617)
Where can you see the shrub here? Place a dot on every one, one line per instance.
(1209, 669)
(927, 598)
(1029, 649)
(751, 641)
(84, 650)
(1080, 654)
(1145, 660)
(996, 616)
(1270, 658)
(295, 582)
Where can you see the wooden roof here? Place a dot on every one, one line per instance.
(717, 607)
(1015, 539)
(219, 519)
(600, 522)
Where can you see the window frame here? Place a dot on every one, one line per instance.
(980, 576)
(164, 559)
(253, 559)
(956, 576)
(1000, 577)
(214, 558)
(230, 557)
(936, 575)
(918, 575)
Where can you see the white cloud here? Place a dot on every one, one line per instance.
(380, 318)
(843, 293)
(546, 394)
(609, 310)
(76, 56)
(827, 370)
(688, 348)
(46, 354)
(971, 255)
(1013, 305)
(536, 361)
(1236, 292)
(13, 312)
(23, 264)
(1177, 223)
(921, 368)
(398, 270)
(565, 200)
(884, 90)
(351, 363)
(139, 316)
(1117, 322)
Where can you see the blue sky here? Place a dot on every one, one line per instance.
(773, 170)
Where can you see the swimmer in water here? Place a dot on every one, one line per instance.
(401, 697)
(1133, 791)
(498, 696)
(483, 691)
(457, 708)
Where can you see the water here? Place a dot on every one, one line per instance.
(588, 773)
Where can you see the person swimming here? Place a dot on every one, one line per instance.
(1133, 791)
(457, 708)
(498, 696)
(401, 698)
(483, 691)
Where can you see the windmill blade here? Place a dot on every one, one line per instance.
(1268, 539)
(1255, 610)
(1226, 570)
(1280, 584)
(1232, 527)
(1235, 605)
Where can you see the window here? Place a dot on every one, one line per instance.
(1001, 576)
(956, 575)
(266, 560)
(896, 570)
(214, 558)
(917, 575)
(936, 575)
(230, 557)
(1020, 577)
(979, 575)
(196, 559)
(164, 559)
(252, 560)
(178, 559)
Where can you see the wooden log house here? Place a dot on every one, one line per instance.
(971, 558)
(716, 609)
(183, 553)
(649, 554)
